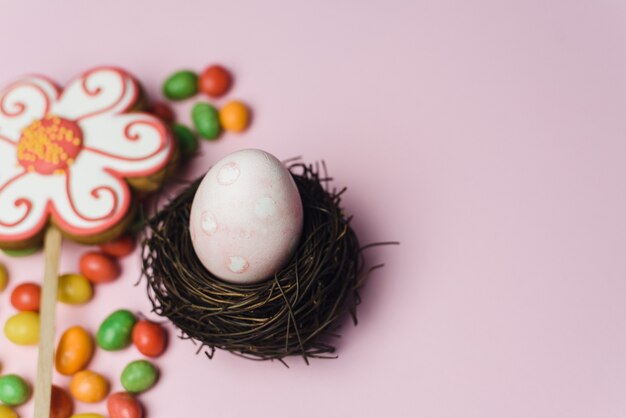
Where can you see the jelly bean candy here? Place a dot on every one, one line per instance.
(235, 116)
(7, 412)
(206, 120)
(74, 289)
(162, 111)
(23, 328)
(61, 404)
(14, 390)
(149, 338)
(139, 376)
(120, 247)
(215, 81)
(181, 85)
(116, 330)
(4, 277)
(124, 405)
(21, 253)
(99, 267)
(26, 297)
(187, 141)
(74, 351)
(88, 386)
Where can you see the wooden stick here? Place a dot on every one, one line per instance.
(45, 361)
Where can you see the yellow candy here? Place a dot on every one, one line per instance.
(74, 289)
(234, 116)
(4, 279)
(23, 328)
(87, 415)
(7, 412)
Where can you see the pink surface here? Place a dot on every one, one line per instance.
(489, 138)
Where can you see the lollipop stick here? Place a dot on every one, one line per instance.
(43, 385)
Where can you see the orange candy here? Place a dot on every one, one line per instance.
(88, 386)
(26, 297)
(61, 404)
(120, 247)
(149, 338)
(74, 351)
(235, 116)
(99, 267)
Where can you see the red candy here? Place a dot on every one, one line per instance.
(120, 247)
(163, 111)
(99, 267)
(149, 338)
(61, 404)
(215, 81)
(26, 297)
(124, 405)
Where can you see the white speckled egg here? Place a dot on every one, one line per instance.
(246, 217)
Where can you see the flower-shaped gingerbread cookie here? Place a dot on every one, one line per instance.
(70, 155)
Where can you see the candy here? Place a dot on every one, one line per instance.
(4, 277)
(234, 116)
(21, 253)
(14, 391)
(162, 111)
(139, 376)
(74, 351)
(124, 405)
(181, 85)
(187, 141)
(87, 415)
(138, 224)
(7, 412)
(149, 338)
(99, 267)
(26, 297)
(215, 81)
(206, 120)
(61, 404)
(115, 331)
(23, 328)
(88, 386)
(74, 289)
(120, 247)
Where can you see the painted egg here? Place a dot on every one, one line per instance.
(246, 217)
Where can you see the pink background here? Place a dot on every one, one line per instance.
(488, 137)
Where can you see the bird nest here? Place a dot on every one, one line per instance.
(295, 312)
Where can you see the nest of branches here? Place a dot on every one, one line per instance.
(295, 312)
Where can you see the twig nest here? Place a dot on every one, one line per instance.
(246, 217)
(294, 312)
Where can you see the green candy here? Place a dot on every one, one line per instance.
(206, 120)
(14, 391)
(181, 85)
(139, 376)
(186, 139)
(138, 224)
(21, 253)
(116, 330)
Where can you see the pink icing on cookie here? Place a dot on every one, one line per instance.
(65, 154)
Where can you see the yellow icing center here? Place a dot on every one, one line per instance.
(49, 145)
